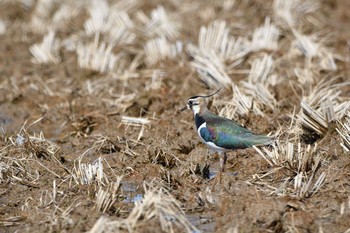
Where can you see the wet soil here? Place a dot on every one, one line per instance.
(169, 151)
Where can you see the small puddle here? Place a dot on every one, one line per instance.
(130, 192)
(213, 174)
(5, 122)
(128, 187)
(202, 223)
(133, 198)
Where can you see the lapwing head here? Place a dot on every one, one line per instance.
(197, 103)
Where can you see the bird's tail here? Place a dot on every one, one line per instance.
(262, 140)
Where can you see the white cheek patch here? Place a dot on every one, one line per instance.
(195, 109)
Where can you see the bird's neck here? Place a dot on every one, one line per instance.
(196, 110)
(199, 115)
(199, 120)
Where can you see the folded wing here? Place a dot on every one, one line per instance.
(228, 134)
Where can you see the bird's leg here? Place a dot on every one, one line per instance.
(223, 160)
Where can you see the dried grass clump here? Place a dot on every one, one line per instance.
(123, 33)
(343, 130)
(209, 68)
(51, 15)
(121, 102)
(299, 164)
(259, 80)
(104, 144)
(312, 120)
(243, 104)
(132, 50)
(216, 47)
(34, 144)
(136, 121)
(311, 47)
(161, 24)
(111, 21)
(216, 39)
(106, 198)
(88, 173)
(305, 76)
(12, 221)
(229, 110)
(323, 105)
(98, 57)
(157, 204)
(17, 168)
(261, 69)
(160, 48)
(293, 12)
(4, 170)
(253, 95)
(265, 37)
(65, 12)
(41, 15)
(84, 125)
(105, 189)
(47, 50)
(163, 155)
(100, 18)
(23, 153)
(40, 146)
(156, 80)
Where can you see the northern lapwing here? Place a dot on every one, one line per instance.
(221, 134)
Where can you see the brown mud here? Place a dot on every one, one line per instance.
(169, 152)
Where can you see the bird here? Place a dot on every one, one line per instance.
(221, 134)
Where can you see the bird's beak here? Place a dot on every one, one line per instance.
(184, 108)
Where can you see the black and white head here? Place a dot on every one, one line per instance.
(198, 103)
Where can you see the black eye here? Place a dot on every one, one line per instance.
(190, 102)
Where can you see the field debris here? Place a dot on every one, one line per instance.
(293, 12)
(265, 37)
(86, 173)
(47, 50)
(97, 57)
(106, 198)
(323, 105)
(314, 51)
(135, 121)
(161, 23)
(2, 27)
(344, 132)
(160, 48)
(108, 150)
(157, 203)
(301, 162)
(313, 120)
(34, 145)
(11, 221)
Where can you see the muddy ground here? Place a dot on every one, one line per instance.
(38, 191)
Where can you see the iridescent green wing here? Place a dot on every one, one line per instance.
(228, 134)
